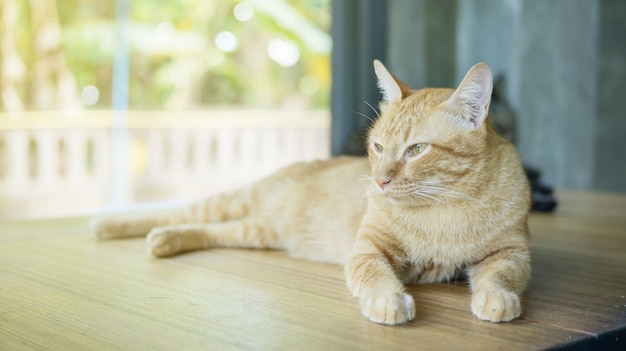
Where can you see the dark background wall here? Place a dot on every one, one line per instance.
(565, 68)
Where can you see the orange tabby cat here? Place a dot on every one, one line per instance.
(442, 195)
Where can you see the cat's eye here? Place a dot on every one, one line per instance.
(416, 149)
(378, 147)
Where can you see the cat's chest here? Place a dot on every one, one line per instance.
(437, 245)
(437, 257)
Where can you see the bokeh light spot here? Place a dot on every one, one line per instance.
(226, 41)
(283, 52)
(90, 95)
(243, 11)
(165, 31)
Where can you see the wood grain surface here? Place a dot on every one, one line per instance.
(61, 289)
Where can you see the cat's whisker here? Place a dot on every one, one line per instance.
(421, 201)
(446, 192)
(435, 191)
(369, 186)
(365, 178)
(436, 182)
(422, 194)
(376, 111)
(364, 115)
(418, 200)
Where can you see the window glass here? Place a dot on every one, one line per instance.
(105, 105)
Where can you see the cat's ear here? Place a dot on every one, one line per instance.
(392, 88)
(470, 101)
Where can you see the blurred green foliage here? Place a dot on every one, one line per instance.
(175, 62)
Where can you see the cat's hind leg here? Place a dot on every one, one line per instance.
(219, 208)
(249, 232)
(126, 226)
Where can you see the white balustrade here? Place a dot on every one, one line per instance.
(60, 168)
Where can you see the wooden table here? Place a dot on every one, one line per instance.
(61, 289)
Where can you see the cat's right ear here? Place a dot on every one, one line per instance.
(392, 88)
(470, 101)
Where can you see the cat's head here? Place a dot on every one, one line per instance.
(427, 142)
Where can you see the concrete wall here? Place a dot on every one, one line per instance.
(565, 69)
(421, 41)
(610, 107)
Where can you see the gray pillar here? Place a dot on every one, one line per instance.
(485, 33)
(421, 44)
(610, 137)
(359, 34)
(548, 52)
(565, 69)
(554, 61)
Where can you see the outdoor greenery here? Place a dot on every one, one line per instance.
(186, 54)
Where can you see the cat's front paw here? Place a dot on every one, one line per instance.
(388, 308)
(496, 305)
(164, 242)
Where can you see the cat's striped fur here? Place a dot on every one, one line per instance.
(440, 195)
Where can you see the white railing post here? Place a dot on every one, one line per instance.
(206, 153)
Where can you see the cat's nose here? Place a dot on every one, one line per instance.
(382, 182)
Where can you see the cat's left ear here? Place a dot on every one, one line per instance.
(392, 88)
(471, 99)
